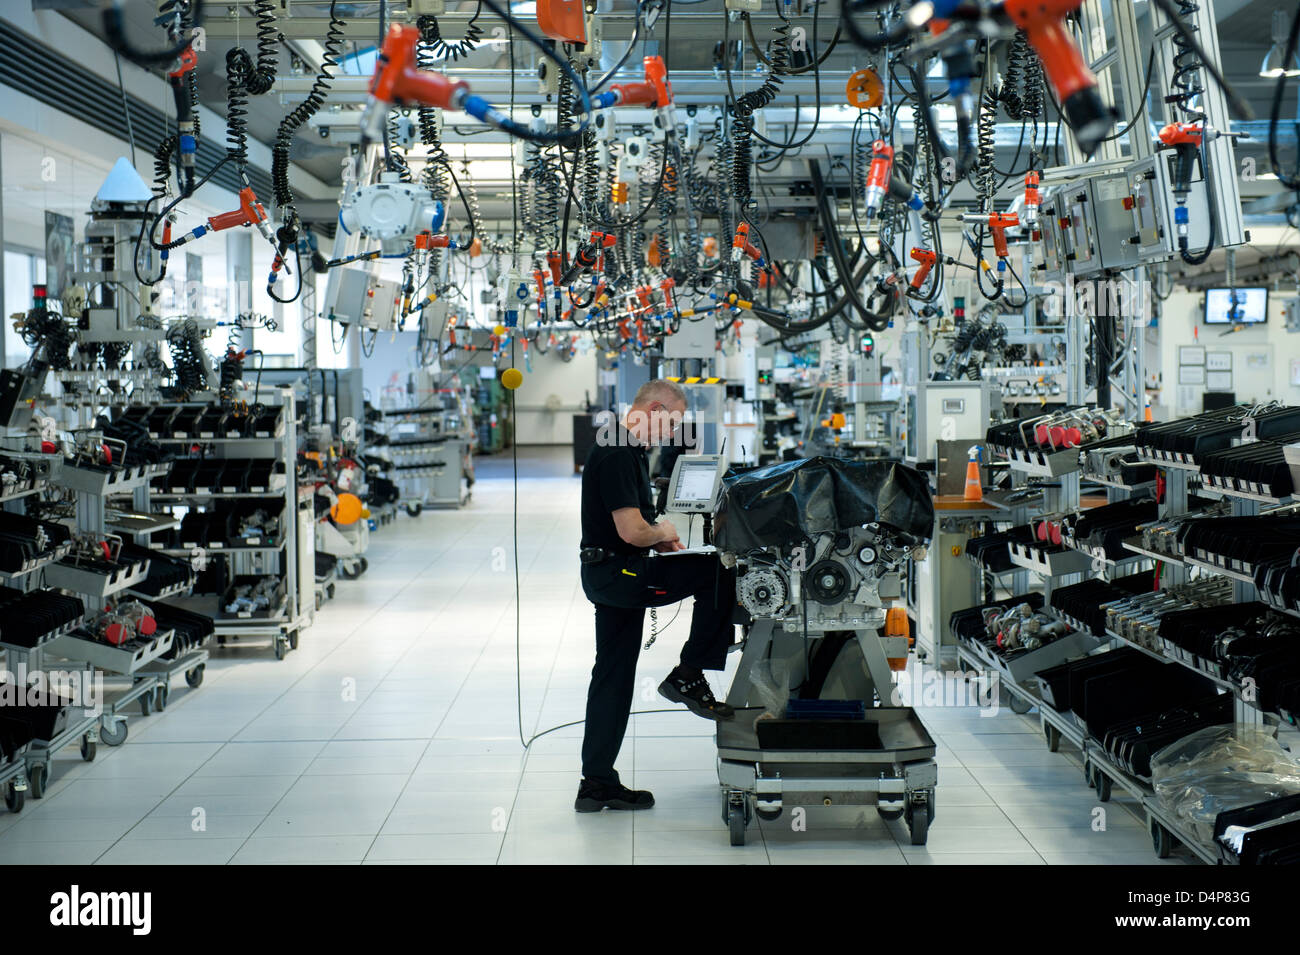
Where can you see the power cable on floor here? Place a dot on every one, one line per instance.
(514, 521)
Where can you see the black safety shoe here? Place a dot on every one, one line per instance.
(693, 690)
(595, 796)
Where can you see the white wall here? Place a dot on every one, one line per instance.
(568, 382)
(1261, 357)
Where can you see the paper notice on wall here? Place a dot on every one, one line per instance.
(1186, 399)
(1257, 361)
(1295, 372)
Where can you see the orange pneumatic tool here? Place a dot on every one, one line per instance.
(1075, 85)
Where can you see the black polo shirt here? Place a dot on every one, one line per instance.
(615, 476)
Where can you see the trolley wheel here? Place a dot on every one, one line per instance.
(293, 639)
(736, 824)
(160, 694)
(918, 824)
(414, 509)
(146, 704)
(15, 797)
(194, 676)
(348, 573)
(88, 748)
(329, 590)
(889, 815)
(1053, 738)
(1087, 774)
(1018, 705)
(320, 602)
(365, 565)
(1162, 840)
(769, 815)
(38, 777)
(115, 736)
(1104, 785)
(281, 647)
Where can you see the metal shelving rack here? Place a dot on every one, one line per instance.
(282, 624)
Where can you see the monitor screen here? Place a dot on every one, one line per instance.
(1236, 306)
(697, 480)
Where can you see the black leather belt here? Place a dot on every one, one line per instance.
(595, 555)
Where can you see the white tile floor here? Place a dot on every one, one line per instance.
(390, 736)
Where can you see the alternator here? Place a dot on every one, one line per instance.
(762, 592)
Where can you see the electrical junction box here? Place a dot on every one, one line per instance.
(1079, 230)
(1051, 246)
(947, 411)
(361, 298)
(1153, 210)
(693, 339)
(1291, 314)
(1113, 221)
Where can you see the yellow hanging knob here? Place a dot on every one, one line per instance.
(498, 330)
(512, 378)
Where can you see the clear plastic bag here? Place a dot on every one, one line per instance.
(1221, 768)
(772, 687)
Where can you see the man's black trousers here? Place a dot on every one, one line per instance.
(622, 589)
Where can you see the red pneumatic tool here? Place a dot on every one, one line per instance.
(1074, 84)
(925, 258)
(398, 81)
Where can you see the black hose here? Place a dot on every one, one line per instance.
(874, 322)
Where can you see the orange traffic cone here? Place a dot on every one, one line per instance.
(973, 492)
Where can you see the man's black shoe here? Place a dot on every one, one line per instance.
(594, 796)
(693, 690)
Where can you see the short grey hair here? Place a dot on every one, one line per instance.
(659, 389)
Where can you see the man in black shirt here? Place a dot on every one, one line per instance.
(622, 579)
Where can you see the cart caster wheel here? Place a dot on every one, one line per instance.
(1053, 738)
(1087, 775)
(329, 591)
(889, 815)
(347, 573)
(1162, 840)
(15, 797)
(918, 824)
(146, 704)
(194, 676)
(160, 695)
(414, 509)
(113, 733)
(221, 639)
(769, 815)
(320, 602)
(1018, 705)
(1104, 785)
(736, 824)
(38, 778)
(293, 640)
(281, 648)
(88, 748)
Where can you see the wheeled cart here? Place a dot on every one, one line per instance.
(886, 760)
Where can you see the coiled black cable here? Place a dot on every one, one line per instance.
(441, 48)
(1187, 68)
(985, 170)
(239, 66)
(298, 116)
(1022, 84)
(262, 77)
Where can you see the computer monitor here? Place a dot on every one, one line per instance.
(696, 481)
(1236, 306)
